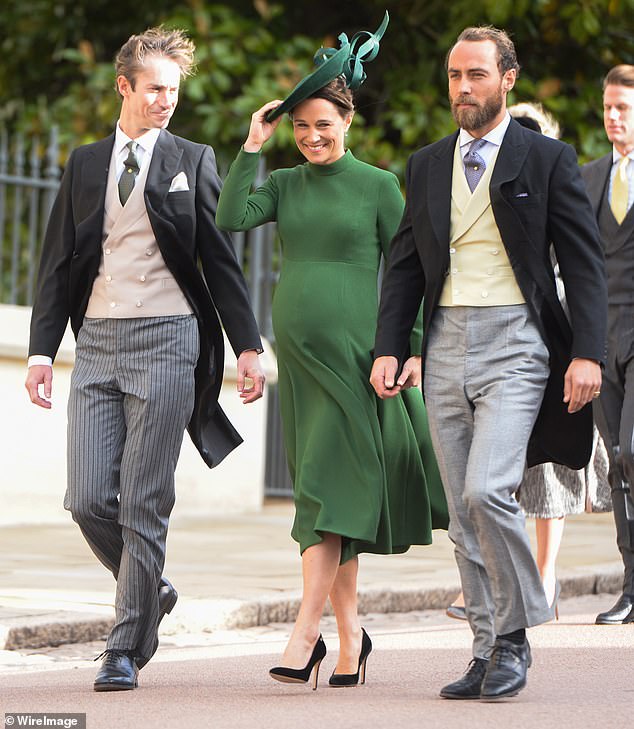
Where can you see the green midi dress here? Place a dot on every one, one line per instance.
(361, 467)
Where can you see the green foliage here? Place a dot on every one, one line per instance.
(57, 65)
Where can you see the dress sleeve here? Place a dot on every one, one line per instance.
(239, 210)
(390, 212)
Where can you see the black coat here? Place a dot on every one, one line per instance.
(186, 234)
(538, 199)
(596, 175)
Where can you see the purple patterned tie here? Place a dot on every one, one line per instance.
(474, 165)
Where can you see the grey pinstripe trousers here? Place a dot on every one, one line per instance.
(132, 394)
(485, 374)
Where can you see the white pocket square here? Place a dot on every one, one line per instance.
(179, 183)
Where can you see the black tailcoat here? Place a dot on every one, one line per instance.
(538, 199)
(200, 257)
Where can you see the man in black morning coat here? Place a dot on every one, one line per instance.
(133, 258)
(501, 361)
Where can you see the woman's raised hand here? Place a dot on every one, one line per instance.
(261, 130)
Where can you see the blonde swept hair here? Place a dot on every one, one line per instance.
(545, 120)
(159, 41)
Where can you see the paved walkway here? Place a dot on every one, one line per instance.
(581, 678)
(236, 572)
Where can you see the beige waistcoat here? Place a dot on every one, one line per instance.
(133, 280)
(480, 272)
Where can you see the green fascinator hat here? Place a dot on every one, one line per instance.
(347, 61)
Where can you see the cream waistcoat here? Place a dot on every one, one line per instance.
(480, 272)
(133, 280)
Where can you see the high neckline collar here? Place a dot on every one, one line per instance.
(334, 167)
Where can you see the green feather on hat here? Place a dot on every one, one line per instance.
(347, 61)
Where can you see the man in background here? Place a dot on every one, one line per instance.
(610, 184)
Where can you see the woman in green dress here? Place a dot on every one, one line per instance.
(364, 475)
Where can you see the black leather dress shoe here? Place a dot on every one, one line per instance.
(622, 612)
(118, 671)
(469, 686)
(167, 597)
(506, 672)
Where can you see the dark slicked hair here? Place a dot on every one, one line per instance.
(159, 42)
(507, 59)
(621, 75)
(337, 93)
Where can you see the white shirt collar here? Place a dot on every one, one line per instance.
(617, 156)
(495, 136)
(146, 141)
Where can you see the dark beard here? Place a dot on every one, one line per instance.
(478, 116)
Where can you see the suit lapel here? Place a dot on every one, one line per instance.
(597, 181)
(164, 166)
(94, 182)
(438, 185)
(510, 159)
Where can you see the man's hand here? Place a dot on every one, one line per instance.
(40, 375)
(249, 368)
(383, 375)
(411, 374)
(582, 383)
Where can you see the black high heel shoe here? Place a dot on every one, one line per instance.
(352, 679)
(302, 675)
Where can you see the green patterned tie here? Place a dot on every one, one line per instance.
(130, 171)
